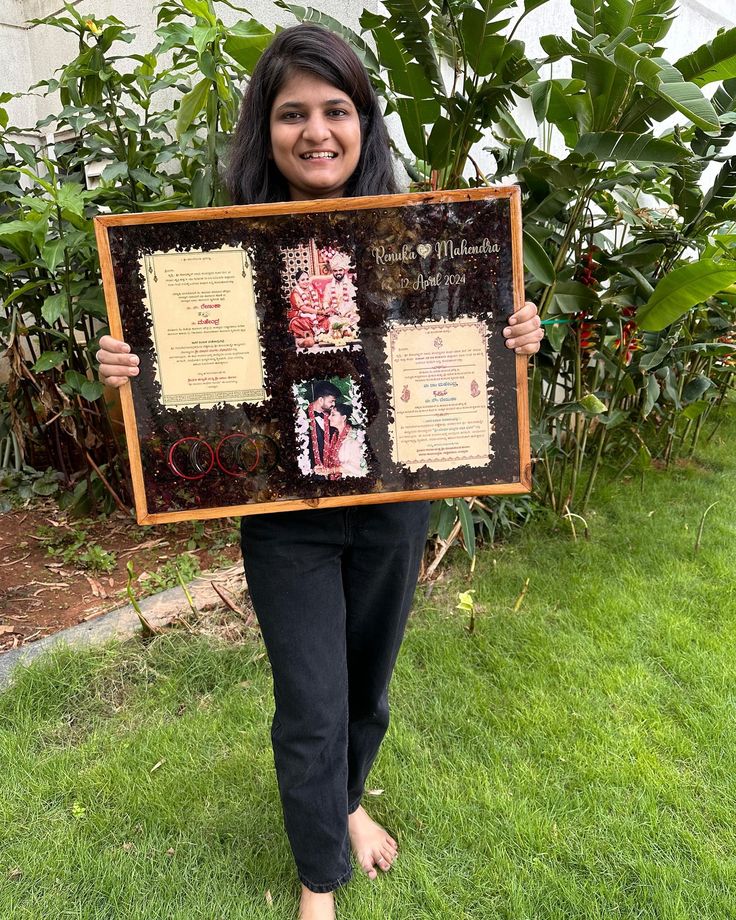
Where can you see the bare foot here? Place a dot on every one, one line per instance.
(315, 906)
(372, 845)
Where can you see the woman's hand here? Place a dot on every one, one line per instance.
(117, 364)
(524, 331)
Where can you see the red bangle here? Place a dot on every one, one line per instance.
(175, 468)
(239, 474)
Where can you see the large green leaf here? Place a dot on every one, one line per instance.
(361, 48)
(711, 62)
(681, 290)
(586, 13)
(667, 82)
(54, 307)
(649, 19)
(573, 297)
(567, 104)
(439, 150)
(483, 48)
(629, 148)
(18, 236)
(191, 105)
(199, 8)
(606, 87)
(70, 198)
(685, 188)
(48, 360)
(651, 395)
(418, 107)
(446, 40)
(246, 41)
(536, 260)
(92, 390)
(408, 20)
(468, 526)
(723, 190)
(52, 253)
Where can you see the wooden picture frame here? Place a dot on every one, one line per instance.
(378, 320)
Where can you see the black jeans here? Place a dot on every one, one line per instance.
(332, 590)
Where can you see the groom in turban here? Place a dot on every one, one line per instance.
(339, 293)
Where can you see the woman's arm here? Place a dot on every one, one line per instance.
(117, 364)
(524, 331)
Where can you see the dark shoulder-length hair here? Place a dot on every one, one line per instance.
(251, 175)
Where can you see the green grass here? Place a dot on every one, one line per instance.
(573, 760)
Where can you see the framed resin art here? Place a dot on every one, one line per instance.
(320, 353)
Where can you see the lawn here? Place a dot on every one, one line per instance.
(574, 758)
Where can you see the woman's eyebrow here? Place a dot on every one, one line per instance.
(301, 105)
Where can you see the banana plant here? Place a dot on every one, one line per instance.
(449, 68)
(614, 231)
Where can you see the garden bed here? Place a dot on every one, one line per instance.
(56, 572)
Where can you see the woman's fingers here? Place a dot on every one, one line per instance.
(528, 312)
(529, 349)
(115, 382)
(524, 331)
(109, 344)
(110, 363)
(116, 362)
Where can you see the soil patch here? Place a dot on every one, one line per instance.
(57, 571)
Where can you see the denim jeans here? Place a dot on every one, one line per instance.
(332, 589)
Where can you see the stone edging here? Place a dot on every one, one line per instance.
(120, 623)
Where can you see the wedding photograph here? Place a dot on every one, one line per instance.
(319, 287)
(329, 428)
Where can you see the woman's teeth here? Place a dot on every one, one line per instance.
(318, 156)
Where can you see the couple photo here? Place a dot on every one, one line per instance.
(322, 312)
(332, 440)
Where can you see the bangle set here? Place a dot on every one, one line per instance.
(238, 455)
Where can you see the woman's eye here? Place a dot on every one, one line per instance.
(337, 112)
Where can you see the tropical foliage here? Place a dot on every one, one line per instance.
(156, 126)
(630, 252)
(630, 243)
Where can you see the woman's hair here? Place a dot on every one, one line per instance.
(299, 272)
(252, 176)
(344, 409)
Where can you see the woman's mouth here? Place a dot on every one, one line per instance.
(318, 155)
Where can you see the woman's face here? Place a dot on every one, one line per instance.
(315, 137)
(337, 419)
(303, 280)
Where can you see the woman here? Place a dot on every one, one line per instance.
(310, 127)
(345, 455)
(305, 315)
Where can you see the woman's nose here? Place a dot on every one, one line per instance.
(316, 128)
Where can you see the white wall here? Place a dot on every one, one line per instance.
(37, 51)
(33, 53)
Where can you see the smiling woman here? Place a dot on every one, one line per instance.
(332, 622)
(326, 136)
(315, 137)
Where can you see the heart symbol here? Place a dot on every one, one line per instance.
(424, 249)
